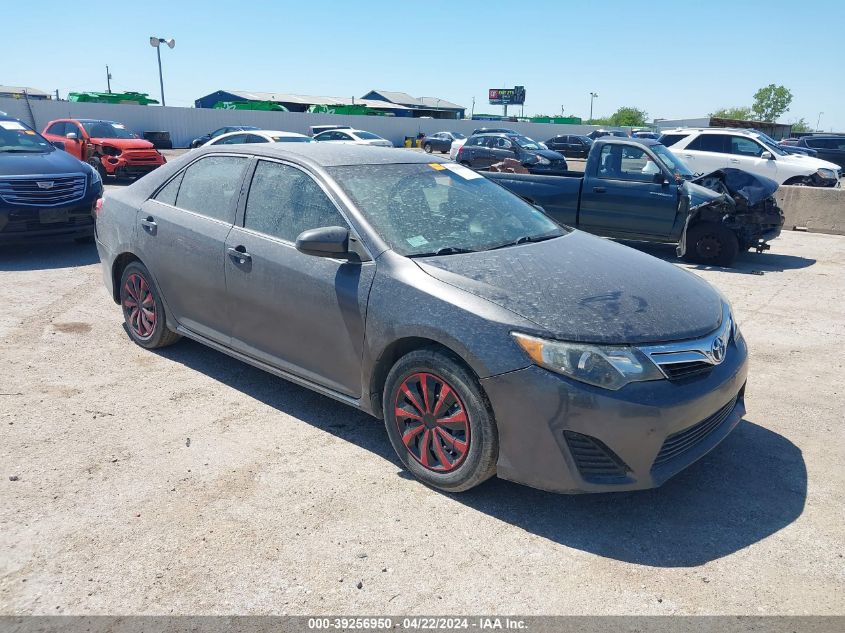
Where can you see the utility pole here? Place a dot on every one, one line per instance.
(156, 43)
(108, 79)
(818, 129)
(472, 111)
(57, 94)
(593, 95)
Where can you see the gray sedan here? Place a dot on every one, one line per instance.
(490, 339)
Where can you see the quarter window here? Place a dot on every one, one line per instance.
(285, 201)
(719, 143)
(670, 139)
(211, 185)
(167, 194)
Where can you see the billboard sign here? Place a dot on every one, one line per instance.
(507, 96)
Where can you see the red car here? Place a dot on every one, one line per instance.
(108, 146)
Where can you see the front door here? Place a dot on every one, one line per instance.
(301, 313)
(624, 200)
(181, 238)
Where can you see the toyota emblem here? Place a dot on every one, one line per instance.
(718, 349)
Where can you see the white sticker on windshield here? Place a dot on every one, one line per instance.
(119, 126)
(417, 241)
(464, 172)
(11, 125)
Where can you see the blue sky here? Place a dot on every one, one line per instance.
(672, 59)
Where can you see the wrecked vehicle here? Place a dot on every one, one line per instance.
(107, 146)
(636, 189)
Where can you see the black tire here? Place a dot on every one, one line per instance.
(147, 327)
(711, 244)
(96, 164)
(427, 148)
(435, 443)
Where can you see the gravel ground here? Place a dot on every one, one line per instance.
(184, 482)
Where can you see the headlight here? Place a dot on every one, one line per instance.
(95, 176)
(607, 366)
(108, 150)
(826, 173)
(543, 161)
(735, 332)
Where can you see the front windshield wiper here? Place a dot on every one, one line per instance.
(525, 239)
(23, 150)
(446, 250)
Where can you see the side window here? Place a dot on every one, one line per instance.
(670, 139)
(231, 140)
(285, 201)
(167, 194)
(254, 138)
(711, 143)
(57, 128)
(503, 143)
(745, 146)
(622, 162)
(343, 137)
(210, 186)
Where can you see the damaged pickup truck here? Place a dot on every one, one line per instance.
(636, 189)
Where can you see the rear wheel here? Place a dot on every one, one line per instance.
(712, 244)
(439, 421)
(143, 311)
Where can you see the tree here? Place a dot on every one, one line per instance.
(801, 126)
(628, 116)
(741, 113)
(771, 101)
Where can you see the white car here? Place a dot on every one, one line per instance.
(706, 150)
(456, 145)
(259, 136)
(353, 137)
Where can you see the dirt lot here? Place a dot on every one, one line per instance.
(183, 482)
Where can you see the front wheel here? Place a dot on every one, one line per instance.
(711, 244)
(427, 148)
(143, 311)
(439, 422)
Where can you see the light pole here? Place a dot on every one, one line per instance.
(819, 120)
(156, 43)
(593, 96)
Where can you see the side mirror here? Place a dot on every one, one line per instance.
(328, 241)
(71, 135)
(58, 144)
(660, 178)
(767, 156)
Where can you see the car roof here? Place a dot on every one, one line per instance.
(711, 130)
(616, 140)
(267, 132)
(329, 154)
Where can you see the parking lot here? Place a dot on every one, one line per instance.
(184, 482)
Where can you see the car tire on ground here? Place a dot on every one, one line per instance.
(712, 244)
(439, 421)
(143, 310)
(427, 148)
(96, 164)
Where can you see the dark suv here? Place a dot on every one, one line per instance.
(571, 145)
(483, 150)
(830, 148)
(44, 192)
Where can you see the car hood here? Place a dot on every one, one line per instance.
(751, 188)
(51, 163)
(124, 143)
(583, 288)
(545, 153)
(808, 161)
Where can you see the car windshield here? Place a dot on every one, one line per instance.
(457, 135)
(16, 137)
(292, 139)
(771, 143)
(441, 208)
(367, 136)
(107, 129)
(672, 162)
(526, 143)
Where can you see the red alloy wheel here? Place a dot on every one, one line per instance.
(432, 422)
(139, 306)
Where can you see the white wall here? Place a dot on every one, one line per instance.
(185, 124)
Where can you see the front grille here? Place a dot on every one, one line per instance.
(679, 371)
(27, 191)
(679, 443)
(29, 221)
(594, 460)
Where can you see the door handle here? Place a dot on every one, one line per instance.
(599, 189)
(149, 224)
(734, 160)
(687, 155)
(239, 253)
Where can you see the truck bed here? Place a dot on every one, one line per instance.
(558, 195)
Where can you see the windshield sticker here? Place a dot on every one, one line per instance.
(437, 166)
(464, 172)
(11, 125)
(118, 126)
(417, 241)
(30, 132)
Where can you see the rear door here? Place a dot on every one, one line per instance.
(301, 313)
(623, 199)
(181, 238)
(706, 153)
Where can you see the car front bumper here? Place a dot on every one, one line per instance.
(560, 435)
(29, 224)
(132, 164)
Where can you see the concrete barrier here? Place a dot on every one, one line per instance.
(812, 208)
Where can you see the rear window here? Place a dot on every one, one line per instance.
(367, 136)
(670, 139)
